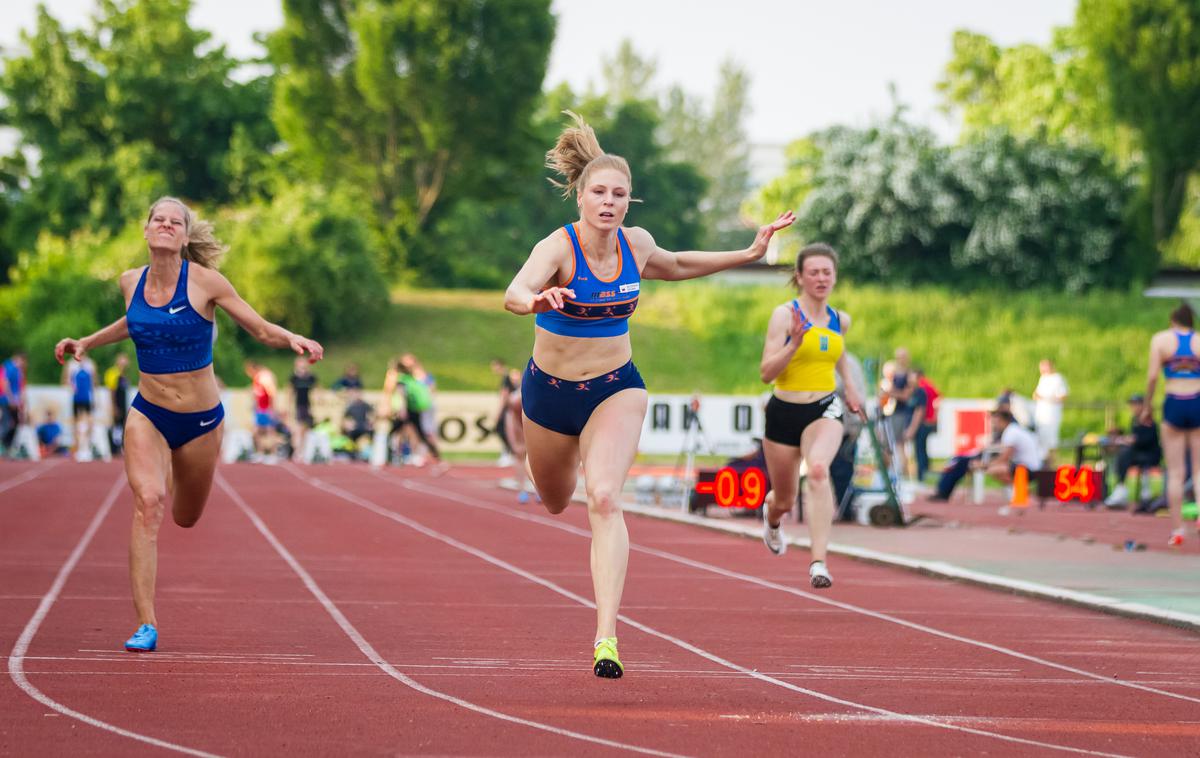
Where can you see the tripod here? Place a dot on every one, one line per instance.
(694, 441)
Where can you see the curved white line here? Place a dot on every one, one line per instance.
(799, 593)
(33, 473)
(373, 655)
(16, 660)
(500, 563)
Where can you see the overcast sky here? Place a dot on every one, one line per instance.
(811, 63)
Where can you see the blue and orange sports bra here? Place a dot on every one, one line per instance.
(173, 338)
(601, 307)
(1184, 364)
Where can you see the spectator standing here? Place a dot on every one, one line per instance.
(924, 420)
(1048, 401)
(118, 387)
(264, 387)
(302, 381)
(358, 420)
(80, 377)
(508, 382)
(12, 399)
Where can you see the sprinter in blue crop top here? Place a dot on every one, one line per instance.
(175, 430)
(582, 398)
(1175, 352)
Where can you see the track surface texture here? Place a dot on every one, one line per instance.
(339, 610)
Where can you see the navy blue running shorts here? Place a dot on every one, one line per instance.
(565, 405)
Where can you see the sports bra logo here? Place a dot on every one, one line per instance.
(824, 343)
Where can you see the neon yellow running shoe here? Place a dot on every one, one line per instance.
(606, 664)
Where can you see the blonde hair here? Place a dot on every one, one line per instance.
(203, 248)
(815, 250)
(577, 154)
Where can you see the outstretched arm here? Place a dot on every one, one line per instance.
(272, 335)
(114, 332)
(670, 266)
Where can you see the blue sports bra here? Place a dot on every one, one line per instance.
(1184, 364)
(601, 307)
(173, 338)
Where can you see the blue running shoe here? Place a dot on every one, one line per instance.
(523, 497)
(144, 640)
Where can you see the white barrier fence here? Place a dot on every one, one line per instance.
(728, 424)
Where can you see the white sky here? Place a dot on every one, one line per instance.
(812, 63)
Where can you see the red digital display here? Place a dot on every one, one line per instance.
(1082, 484)
(731, 490)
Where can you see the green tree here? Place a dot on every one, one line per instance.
(305, 261)
(715, 142)
(415, 103)
(999, 211)
(1149, 51)
(136, 105)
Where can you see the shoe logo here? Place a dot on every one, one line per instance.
(209, 422)
(173, 311)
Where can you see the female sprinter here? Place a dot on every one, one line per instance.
(1176, 352)
(173, 434)
(804, 346)
(581, 395)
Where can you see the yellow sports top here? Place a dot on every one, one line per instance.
(812, 366)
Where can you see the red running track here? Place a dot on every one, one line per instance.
(335, 610)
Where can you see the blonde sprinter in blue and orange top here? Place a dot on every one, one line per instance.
(805, 345)
(582, 397)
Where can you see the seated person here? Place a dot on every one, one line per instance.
(1020, 448)
(1017, 447)
(49, 434)
(1139, 448)
(358, 420)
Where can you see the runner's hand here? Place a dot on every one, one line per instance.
(549, 299)
(68, 346)
(301, 345)
(763, 238)
(800, 327)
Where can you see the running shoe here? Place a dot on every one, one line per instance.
(605, 663)
(1176, 539)
(772, 535)
(523, 497)
(819, 575)
(144, 640)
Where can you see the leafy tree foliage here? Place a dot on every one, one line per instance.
(1149, 51)
(417, 103)
(136, 105)
(1001, 211)
(305, 261)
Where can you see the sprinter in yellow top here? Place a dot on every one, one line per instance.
(804, 346)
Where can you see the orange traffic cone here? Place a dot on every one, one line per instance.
(1020, 487)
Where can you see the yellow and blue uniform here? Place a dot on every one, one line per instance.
(600, 308)
(170, 340)
(811, 369)
(1182, 411)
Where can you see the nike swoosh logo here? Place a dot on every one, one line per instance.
(208, 423)
(173, 311)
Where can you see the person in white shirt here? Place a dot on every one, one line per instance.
(1048, 404)
(1017, 447)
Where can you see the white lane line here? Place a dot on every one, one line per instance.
(799, 593)
(16, 660)
(33, 473)
(500, 563)
(372, 655)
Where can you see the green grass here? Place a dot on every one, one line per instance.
(707, 337)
